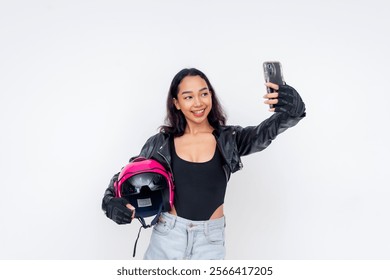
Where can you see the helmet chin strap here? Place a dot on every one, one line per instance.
(144, 225)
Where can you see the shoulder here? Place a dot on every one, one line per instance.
(225, 130)
(154, 137)
(154, 141)
(160, 136)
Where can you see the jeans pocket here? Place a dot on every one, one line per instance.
(216, 236)
(162, 228)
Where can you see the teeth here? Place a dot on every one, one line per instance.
(199, 112)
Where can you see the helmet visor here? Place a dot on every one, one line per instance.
(134, 184)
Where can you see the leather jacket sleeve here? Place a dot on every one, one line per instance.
(253, 139)
(109, 193)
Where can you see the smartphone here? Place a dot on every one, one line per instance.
(273, 73)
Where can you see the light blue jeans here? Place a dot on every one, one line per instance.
(176, 238)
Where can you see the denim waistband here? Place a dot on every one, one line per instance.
(173, 220)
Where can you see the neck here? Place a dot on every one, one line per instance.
(194, 129)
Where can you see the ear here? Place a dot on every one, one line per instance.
(176, 103)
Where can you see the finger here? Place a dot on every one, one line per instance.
(284, 102)
(280, 109)
(131, 207)
(272, 85)
(271, 101)
(271, 95)
(284, 93)
(272, 110)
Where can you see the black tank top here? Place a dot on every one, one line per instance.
(199, 187)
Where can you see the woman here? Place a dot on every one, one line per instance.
(201, 151)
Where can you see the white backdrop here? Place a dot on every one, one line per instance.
(83, 85)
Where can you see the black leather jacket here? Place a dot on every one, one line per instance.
(232, 141)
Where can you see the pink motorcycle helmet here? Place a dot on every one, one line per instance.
(146, 185)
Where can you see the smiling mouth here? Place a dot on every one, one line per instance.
(198, 112)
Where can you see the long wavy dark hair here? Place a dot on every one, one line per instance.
(175, 121)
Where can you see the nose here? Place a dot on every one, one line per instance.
(197, 101)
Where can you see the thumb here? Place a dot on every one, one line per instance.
(131, 207)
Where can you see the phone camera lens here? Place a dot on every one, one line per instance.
(270, 69)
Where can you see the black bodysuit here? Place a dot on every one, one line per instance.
(199, 187)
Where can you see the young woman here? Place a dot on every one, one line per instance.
(202, 152)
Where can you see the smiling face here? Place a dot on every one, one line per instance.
(194, 100)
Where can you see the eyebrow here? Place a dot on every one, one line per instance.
(186, 92)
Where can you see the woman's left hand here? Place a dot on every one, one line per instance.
(272, 98)
(285, 99)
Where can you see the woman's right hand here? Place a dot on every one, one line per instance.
(120, 211)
